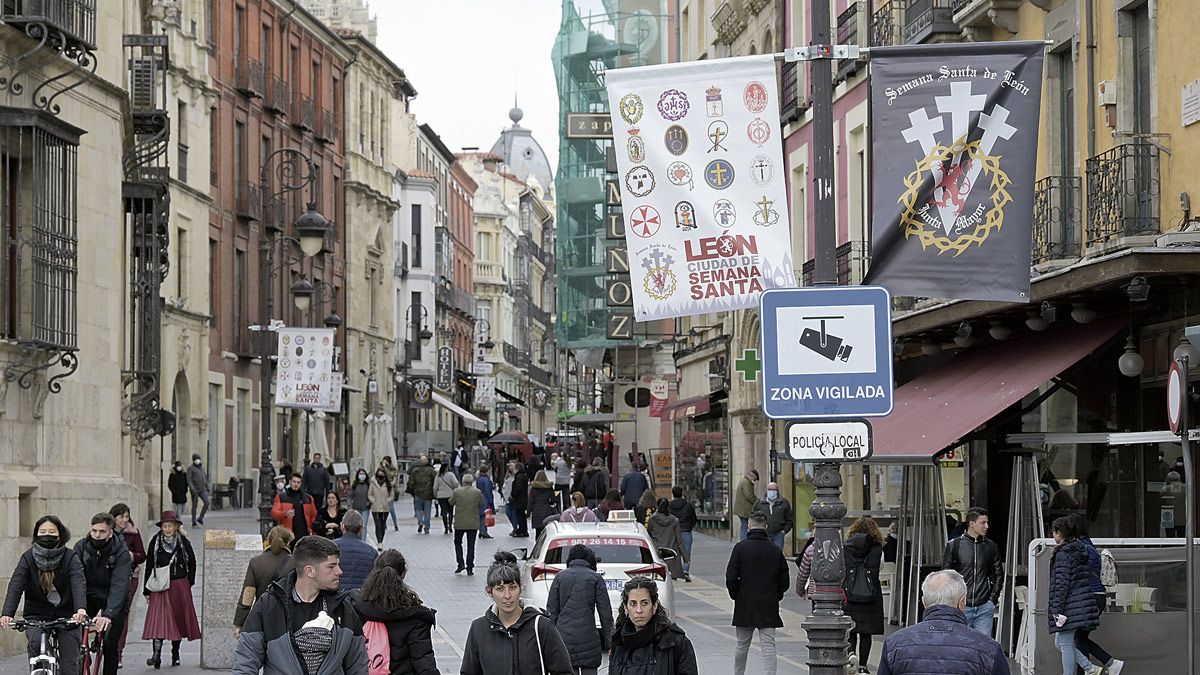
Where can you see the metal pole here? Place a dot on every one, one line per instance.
(266, 472)
(828, 626)
(1189, 481)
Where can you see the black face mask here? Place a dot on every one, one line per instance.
(380, 477)
(101, 544)
(46, 541)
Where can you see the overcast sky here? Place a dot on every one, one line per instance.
(466, 59)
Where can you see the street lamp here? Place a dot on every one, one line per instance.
(294, 171)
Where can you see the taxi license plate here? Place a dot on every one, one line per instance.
(614, 584)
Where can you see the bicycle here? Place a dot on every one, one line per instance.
(46, 661)
(91, 647)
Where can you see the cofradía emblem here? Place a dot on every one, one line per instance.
(673, 105)
(631, 108)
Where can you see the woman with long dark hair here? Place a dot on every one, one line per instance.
(329, 519)
(360, 499)
(511, 639)
(386, 598)
(172, 614)
(664, 529)
(645, 640)
(443, 488)
(542, 502)
(864, 598)
(1071, 608)
(137, 550)
(49, 576)
(380, 496)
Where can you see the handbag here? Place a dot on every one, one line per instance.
(159, 579)
(537, 637)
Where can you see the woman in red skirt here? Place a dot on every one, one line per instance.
(171, 615)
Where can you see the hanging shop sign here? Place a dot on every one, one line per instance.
(305, 375)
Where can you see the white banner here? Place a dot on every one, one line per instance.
(335, 394)
(700, 165)
(305, 375)
(485, 392)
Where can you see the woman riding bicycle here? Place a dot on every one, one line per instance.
(50, 578)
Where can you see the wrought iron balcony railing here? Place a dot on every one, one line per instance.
(249, 76)
(539, 375)
(926, 19)
(1056, 216)
(249, 200)
(279, 98)
(538, 314)
(793, 98)
(886, 24)
(1123, 192)
(848, 34)
(305, 116)
(852, 260)
(514, 355)
(327, 131)
(71, 21)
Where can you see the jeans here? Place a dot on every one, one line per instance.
(458, 548)
(766, 640)
(392, 511)
(1071, 656)
(1083, 640)
(199, 497)
(423, 507)
(366, 530)
(777, 539)
(68, 648)
(511, 512)
(483, 522)
(980, 617)
(180, 509)
(745, 526)
(687, 550)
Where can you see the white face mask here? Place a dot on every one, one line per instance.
(772, 494)
(196, 462)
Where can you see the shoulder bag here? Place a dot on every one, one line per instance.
(160, 577)
(537, 637)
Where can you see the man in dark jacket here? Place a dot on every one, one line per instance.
(633, 484)
(107, 567)
(686, 513)
(198, 485)
(420, 485)
(519, 500)
(577, 596)
(357, 556)
(595, 483)
(286, 633)
(977, 559)
(317, 480)
(780, 517)
(942, 642)
(757, 578)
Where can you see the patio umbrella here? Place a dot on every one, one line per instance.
(509, 437)
(319, 422)
(385, 443)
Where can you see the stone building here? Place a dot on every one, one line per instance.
(352, 15)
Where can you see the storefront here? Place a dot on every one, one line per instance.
(702, 456)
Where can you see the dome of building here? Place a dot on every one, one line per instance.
(521, 152)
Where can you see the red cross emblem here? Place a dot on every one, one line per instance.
(645, 221)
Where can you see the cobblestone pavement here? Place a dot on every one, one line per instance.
(703, 607)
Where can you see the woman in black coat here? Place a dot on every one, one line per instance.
(177, 485)
(542, 503)
(1071, 607)
(645, 640)
(577, 595)
(385, 598)
(864, 553)
(518, 497)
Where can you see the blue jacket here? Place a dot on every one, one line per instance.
(488, 488)
(942, 644)
(357, 560)
(1071, 589)
(633, 484)
(1094, 564)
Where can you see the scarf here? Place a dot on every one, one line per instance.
(633, 638)
(167, 544)
(48, 559)
(315, 639)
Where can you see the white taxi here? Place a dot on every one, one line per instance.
(623, 548)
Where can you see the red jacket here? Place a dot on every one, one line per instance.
(280, 509)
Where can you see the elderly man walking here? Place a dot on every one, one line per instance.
(942, 642)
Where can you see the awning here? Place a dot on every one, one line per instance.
(509, 397)
(469, 420)
(942, 406)
(694, 406)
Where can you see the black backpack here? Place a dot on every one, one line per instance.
(859, 585)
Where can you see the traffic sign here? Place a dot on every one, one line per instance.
(1175, 395)
(844, 441)
(827, 352)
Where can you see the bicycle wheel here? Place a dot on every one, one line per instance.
(92, 647)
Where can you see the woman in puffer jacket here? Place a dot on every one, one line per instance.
(577, 595)
(1071, 607)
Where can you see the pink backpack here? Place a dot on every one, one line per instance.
(379, 648)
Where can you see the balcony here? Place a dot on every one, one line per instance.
(979, 18)
(1123, 191)
(852, 260)
(539, 375)
(249, 200)
(72, 20)
(280, 96)
(307, 114)
(515, 356)
(793, 98)
(402, 261)
(930, 21)
(455, 298)
(886, 23)
(807, 273)
(249, 77)
(1056, 213)
(539, 315)
(327, 132)
(848, 32)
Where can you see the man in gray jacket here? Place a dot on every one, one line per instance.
(197, 479)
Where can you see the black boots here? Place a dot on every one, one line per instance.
(175, 652)
(155, 660)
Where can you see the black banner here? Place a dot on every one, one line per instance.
(955, 132)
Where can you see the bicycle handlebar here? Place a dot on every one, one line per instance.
(23, 624)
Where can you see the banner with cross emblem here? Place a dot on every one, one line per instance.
(700, 157)
(955, 153)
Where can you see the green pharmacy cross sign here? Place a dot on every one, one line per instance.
(749, 365)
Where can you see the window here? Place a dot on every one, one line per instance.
(210, 24)
(239, 153)
(239, 32)
(242, 431)
(214, 146)
(1142, 75)
(214, 281)
(416, 236)
(180, 262)
(415, 309)
(372, 298)
(241, 335)
(1065, 65)
(265, 53)
(181, 133)
(38, 217)
(216, 413)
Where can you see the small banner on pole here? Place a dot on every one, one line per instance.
(955, 132)
(305, 377)
(700, 161)
(422, 392)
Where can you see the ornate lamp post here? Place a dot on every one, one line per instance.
(419, 336)
(294, 171)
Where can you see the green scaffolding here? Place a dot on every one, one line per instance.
(594, 35)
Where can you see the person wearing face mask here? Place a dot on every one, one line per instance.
(360, 498)
(380, 495)
(172, 612)
(198, 485)
(511, 639)
(49, 576)
(281, 483)
(645, 641)
(177, 484)
(137, 554)
(295, 510)
(107, 567)
(780, 517)
(745, 499)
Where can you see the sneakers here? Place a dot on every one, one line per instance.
(1115, 667)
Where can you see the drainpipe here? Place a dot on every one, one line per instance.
(1091, 75)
